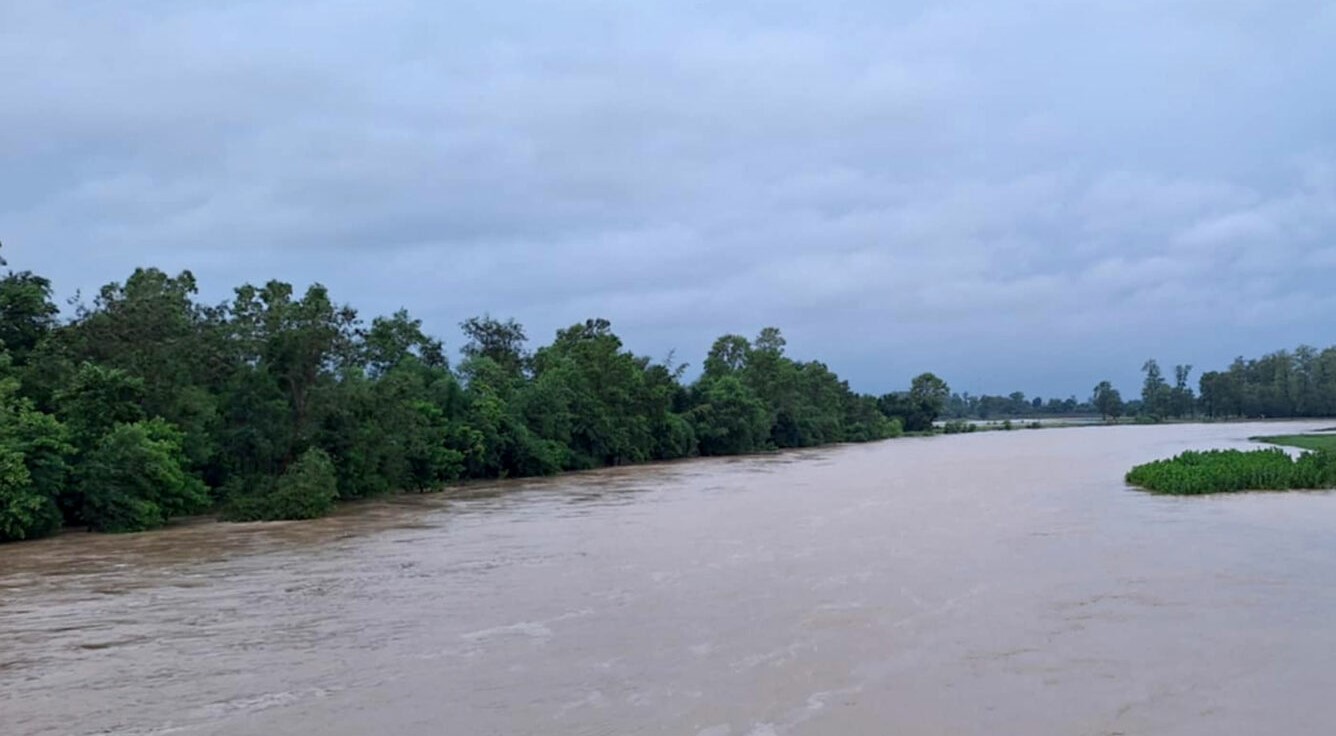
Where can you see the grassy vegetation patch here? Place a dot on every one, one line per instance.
(1323, 442)
(1223, 471)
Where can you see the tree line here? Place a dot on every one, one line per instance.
(1283, 384)
(1279, 385)
(967, 406)
(147, 404)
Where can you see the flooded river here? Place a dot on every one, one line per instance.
(994, 583)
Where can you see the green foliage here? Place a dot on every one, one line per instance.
(147, 404)
(306, 490)
(500, 342)
(393, 341)
(25, 511)
(1015, 405)
(730, 419)
(27, 313)
(959, 426)
(135, 478)
(35, 454)
(1155, 392)
(609, 402)
(1301, 383)
(1325, 442)
(864, 422)
(1107, 401)
(1219, 471)
(675, 438)
(98, 399)
(918, 408)
(42, 440)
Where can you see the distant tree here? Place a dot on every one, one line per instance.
(919, 407)
(1155, 392)
(1181, 400)
(1107, 401)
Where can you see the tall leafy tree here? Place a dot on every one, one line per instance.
(501, 342)
(1107, 400)
(1155, 392)
(1181, 399)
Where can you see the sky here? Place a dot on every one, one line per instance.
(1024, 196)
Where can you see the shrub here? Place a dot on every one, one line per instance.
(33, 469)
(135, 479)
(25, 512)
(306, 490)
(677, 438)
(959, 426)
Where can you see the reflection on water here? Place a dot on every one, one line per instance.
(973, 584)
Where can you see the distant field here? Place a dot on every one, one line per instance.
(1304, 441)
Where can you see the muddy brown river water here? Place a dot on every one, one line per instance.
(994, 583)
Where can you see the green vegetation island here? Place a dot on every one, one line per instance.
(1224, 471)
(147, 404)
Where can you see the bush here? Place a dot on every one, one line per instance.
(307, 490)
(676, 438)
(33, 469)
(1220, 471)
(135, 479)
(959, 426)
(731, 420)
(530, 455)
(25, 512)
(891, 428)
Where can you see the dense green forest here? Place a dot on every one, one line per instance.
(147, 404)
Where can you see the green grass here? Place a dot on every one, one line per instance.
(1325, 442)
(1224, 471)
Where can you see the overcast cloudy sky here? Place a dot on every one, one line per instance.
(1016, 195)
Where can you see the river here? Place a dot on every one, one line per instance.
(990, 583)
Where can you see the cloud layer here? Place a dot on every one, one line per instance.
(1030, 195)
